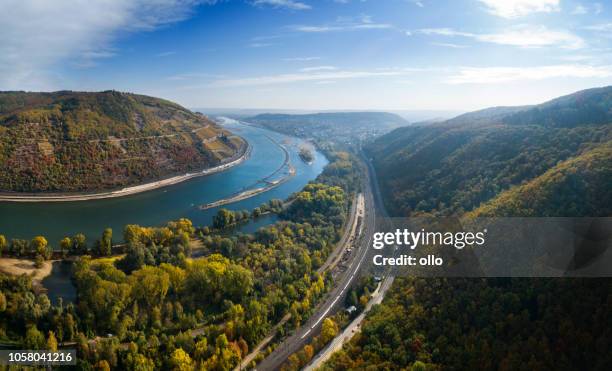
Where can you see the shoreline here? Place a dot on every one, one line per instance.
(127, 191)
(18, 266)
(256, 191)
(249, 193)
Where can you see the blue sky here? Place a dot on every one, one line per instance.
(306, 54)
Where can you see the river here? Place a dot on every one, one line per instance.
(154, 208)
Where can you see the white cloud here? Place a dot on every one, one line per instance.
(316, 28)
(38, 34)
(528, 36)
(363, 22)
(579, 10)
(521, 35)
(444, 32)
(519, 8)
(304, 76)
(288, 4)
(602, 27)
(493, 75)
(301, 59)
(450, 45)
(318, 68)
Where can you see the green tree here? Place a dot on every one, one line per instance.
(3, 244)
(150, 285)
(224, 219)
(106, 242)
(79, 244)
(65, 245)
(34, 339)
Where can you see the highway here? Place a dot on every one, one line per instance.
(351, 329)
(357, 209)
(335, 298)
(377, 296)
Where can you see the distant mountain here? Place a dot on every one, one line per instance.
(455, 166)
(341, 126)
(74, 141)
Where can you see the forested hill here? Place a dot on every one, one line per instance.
(455, 166)
(342, 126)
(592, 106)
(580, 186)
(75, 141)
(553, 159)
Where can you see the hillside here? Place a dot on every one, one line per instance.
(579, 186)
(526, 162)
(79, 142)
(343, 126)
(454, 166)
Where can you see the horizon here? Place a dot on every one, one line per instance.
(336, 55)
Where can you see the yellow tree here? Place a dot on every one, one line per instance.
(39, 246)
(329, 330)
(181, 361)
(51, 342)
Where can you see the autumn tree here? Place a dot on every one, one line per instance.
(3, 244)
(181, 361)
(51, 342)
(38, 245)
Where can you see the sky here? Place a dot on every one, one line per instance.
(306, 54)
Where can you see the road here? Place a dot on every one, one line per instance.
(335, 298)
(351, 329)
(357, 209)
(377, 297)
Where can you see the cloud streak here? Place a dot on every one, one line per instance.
(287, 4)
(494, 75)
(306, 76)
(363, 22)
(524, 36)
(520, 8)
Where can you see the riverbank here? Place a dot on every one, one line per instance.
(8, 197)
(250, 193)
(254, 192)
(17, 267)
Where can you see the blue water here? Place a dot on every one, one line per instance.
(154, 208)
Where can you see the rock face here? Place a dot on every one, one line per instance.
(79, 142)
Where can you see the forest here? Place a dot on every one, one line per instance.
(184, 297)
(73, 141)
(455, 166)
(548, 160)
(484, 324)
